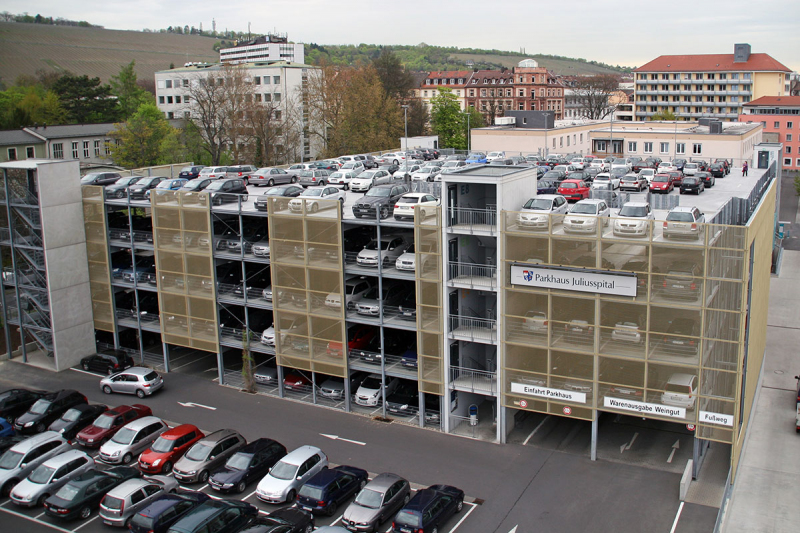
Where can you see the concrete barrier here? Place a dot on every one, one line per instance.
(686, 479)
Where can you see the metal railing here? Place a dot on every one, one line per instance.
(473, 328)
(474, 275)
(32, 217)
(34, 257)
(737, 211)
(473, 219)
(479, 381)
(31, 239)
(22, 196)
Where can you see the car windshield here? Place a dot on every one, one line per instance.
(673, 387)
(10, 459)
(215, 185)
(369, 498)
(307, 174)
(680, 217)
(477, 155)
(538, 204)
(124, 436)
(275, 191)
(451, 164)
(408, 199)
(164, 185)
(104, 421)
(68, 492)
(192, 184)
(337, 175)
(371, 382)
(633, 211)
(349, 166)
(690, 165)
(198, 452)
(312, 192)
(41, 475)
(551, 174)
(283, 470)
(584, 209)
(127, 181)
(660, 179)
(146, 181)
(88, 178)
(71, 416)
(162, 445)
(618, 171)
(239, 461)
(314, 493)
(689, 181)
(569, 186)
(382, 193)
(40, 407)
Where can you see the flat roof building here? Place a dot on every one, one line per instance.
(780, 117)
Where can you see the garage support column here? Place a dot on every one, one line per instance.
(421, 409)
(165, 347)
(220, 369)
(594, 437)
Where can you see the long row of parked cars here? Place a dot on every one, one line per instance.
(52, 469)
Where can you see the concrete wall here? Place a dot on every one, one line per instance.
(528, 141)
(65, 256)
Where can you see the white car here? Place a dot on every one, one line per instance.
(579, 162)
(369, 392)
(448, 167)
(605, 179)
(535, 322)
(312, 195)
(535, 214)
(622, 166)
(354, 289)
(407, 261)
(426, 173)
(403, 171)
(261, 248)
(268, 336)
(395, 158)
(648, 174)
(389, 249)
(341, 178)
(50, 476)
(368, 179)
(634, 220)
(627, 332)
(491, 156)
(680, 391)
(287, 475)
(666, 166)
(600, 164)
(690, 169)
(583, 216)
(412, 201)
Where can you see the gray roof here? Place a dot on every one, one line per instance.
(12, 137)
(72, 130)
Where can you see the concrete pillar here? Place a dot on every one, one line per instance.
(165, 347)
(220, 369)
(594, 437)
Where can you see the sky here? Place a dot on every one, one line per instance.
(618, 32)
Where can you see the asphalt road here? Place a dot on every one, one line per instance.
(533, 487)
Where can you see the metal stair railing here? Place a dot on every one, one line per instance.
(37, 319)
(32, 239)
(34, 257)
(32, 217)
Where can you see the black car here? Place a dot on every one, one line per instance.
(717, 170)
(554, 175)
(708, 179)
(219, 516)
(286, 520)
(100, 178)
(119, 189)
(725, 164)
(196, 184)
(682, 281)
(77, 418)
(404, 401)
(379, 199)
(227, 190)
(391, 168)
(138, 190)
(676, 340)
(82, 495)
(679, 163)
(692, 184)
(546, 187)
(248, 464)
(281, 191)
(429, 510)
(330, 488)
(190, 172)
(47, 410)
(14, 402)
(165, 511)
(107, 361)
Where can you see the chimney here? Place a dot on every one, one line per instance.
(741, 53)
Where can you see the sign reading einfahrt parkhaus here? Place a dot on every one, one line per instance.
(574, 280)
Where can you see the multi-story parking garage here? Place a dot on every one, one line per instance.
(469, 319)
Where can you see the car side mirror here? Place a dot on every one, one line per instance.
(23, 465)
(299, 478)
(212, 457)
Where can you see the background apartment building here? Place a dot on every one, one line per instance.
(708, 85)
(270, 47)
(780, 118)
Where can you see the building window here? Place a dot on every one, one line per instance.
(788, 137)
(560, 142)
(257, 80)
(276, 80)
(185, 82)
(521, 106)
(697, 148)
(541, 92)
(600, 146)
(483, 93)
(160, 99)
(680, 148)
(798, 162)
(169, 84)
(186, 99)
(170, 115)
(632, 147)
(107, 146)
(58, 150)
(267, 97)
(277, 97)
(12, 154)
(664, 148)
(787, 161)
(74, 150)
(169, 99)
(178, 99)
(648, 148)
(788, 149)
(86, 149)
(789, 125)
(567, 140)
(776, 124)
(187, 115)
(97, 148)
(30, 153)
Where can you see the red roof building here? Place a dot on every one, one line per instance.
(780, 116)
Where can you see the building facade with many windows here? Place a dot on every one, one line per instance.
(270, 47)
(778, 115)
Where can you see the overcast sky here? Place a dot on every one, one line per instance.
(623, 32)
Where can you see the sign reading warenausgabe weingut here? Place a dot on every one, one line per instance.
(574, 280)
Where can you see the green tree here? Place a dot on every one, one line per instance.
(446, 120)
(86, 100)
(396, 81)
(476, 119)
(664, 115)
(417, 118)
(129, 95)
(140, 138)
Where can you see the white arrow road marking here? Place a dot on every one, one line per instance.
(627, 445)
(515, 529)
(192, 404)
(674, 447)
(337, 437)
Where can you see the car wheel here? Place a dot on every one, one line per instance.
(271, 182)
(6, 490)
(314, 208)
(40, 427)
(384, 212)
(85, 512)
(106, 389)
(241, 486)
(294, 179)
(119, 194)
(127, 458)
(42, 498)
(396, 162)
(332, 509)
(203, 477)
(139, 393)
(85, 366)
(309, 528)
(166, 469)
(291, 496)
(322, 183)
(346, 187)
(460, 505)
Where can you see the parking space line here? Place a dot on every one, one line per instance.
(677, 517)
(90, 520)
(248, 496)
(337, 520)
(37, 521)
(525, 443)
(40, 515)
(173, 369)
(465, 515)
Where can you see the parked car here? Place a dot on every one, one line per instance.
(296, 380)
(15, 402)
(47, 410)
(354, 289)
(574, 190)
(725, 163)
(100, 178)
(219, 516)
(314, 178)
(682, 281)
(122, 502)
(370, 304)
(271, 176)
(137, 380)
(227, 190)
(665, 166)
(535, 213)
(404, 401)
(387, 250)
(604, 178)
(544, 186)
(190, 172)
(290, 473)
(334, 387)
(49, 477)
(717, 170)
(119, 189)
(680, 391)
(684, 221)
(633, 182)
(370, 178)
(663, 183)
(627, 332)
(108, 423)
(584, 215)
(410, 202)
(23, 458)
(708, 179)
(131, 440)
(6, 432)
(280, 191)
(167, 185)
(692, 184)
(450, 166)
(369, 393)
(140, 189)
(107, 361)
(378, 201)
(208, 455)
(83, 493)
(405, 171)
(682, 337)
(690, 169)
(477, 157)
(196, 185)
(165, 511)
(429, 509)
(633, 220)
(242, 171)
(426, 174)
(214, 173)
(249, 463)
(379, 500)
(311, 197)
(168, 448)
(324, 492)
(648, 174)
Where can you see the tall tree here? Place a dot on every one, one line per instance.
(593, 91)
(417, 118)
(129, 95)
(140, 138)
(396, 81)
(324, 99)
(85, 100)
(446, 120)
(210, 112)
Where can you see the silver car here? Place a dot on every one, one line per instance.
(124, 501)
(49, 477)
(287, 475)
(388, 249)
(378, 501)
(207, 455)
(137, 380)
(22, 458)
(131, 440)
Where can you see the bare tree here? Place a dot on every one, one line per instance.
(592, 93)
(325, 101)
(276, 130)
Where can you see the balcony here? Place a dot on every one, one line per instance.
(469, 220)
(473, 329)
(472, 276)
(472, 380)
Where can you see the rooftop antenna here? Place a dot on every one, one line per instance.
(214, 25)
(249, 36)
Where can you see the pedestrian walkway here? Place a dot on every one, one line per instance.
(765, 493)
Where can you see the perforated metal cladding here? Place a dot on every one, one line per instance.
(430, 326)
(94, 221)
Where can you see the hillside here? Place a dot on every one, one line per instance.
(26, 48)
(563, 66)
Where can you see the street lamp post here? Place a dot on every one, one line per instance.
(468, 130)
(405, 120)
(546, 149)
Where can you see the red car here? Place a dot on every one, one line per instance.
(359, 340)
(677, 177)
(107, 424)
(573, 190)
(663, 183)
(294, 380)
(168, 448)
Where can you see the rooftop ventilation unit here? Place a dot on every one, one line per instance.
(505, 121)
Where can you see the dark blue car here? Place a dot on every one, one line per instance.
(429, 510)
(546, 187)
(330, 488)
(162, 513)
(6, 428)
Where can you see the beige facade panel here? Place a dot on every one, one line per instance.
(102, 295)
(428, 274)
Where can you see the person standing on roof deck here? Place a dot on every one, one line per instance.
(744, 169)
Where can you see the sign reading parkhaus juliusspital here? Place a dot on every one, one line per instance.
(618, 284)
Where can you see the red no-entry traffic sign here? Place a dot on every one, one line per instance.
(567, 410)
(690, 427)
(523, 403)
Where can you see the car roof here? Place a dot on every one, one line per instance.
(682, 208)
(257, 445)
(571, 181)
(382, 482)
(66, 457)
(218, 436)
(35, 441)
(681, 379)
(138, 370)
(589, 201)
(179, 431)
(548, 196)
(638, 204)
(140, 423)
(300, 455)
